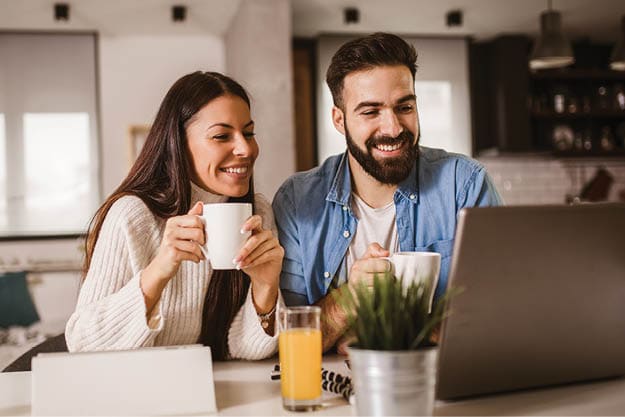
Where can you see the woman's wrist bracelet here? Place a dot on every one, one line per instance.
(266, 317)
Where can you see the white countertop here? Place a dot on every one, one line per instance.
(245, 388)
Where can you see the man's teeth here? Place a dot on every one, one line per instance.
(240, 170)
(389, 148)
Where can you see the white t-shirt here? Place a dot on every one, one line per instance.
(374, 225)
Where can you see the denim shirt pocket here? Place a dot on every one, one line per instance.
(445, 248)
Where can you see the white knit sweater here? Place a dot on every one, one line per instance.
(111, 312)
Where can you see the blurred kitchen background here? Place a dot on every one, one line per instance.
(80, 82)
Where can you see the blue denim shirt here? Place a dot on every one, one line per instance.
(316, 223)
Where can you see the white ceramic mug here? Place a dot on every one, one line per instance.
(222, 226)
(417, 267)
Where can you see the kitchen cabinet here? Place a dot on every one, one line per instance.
(499, 84)
(575, 111)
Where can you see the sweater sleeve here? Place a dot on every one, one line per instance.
(111, 313)
(246, 338)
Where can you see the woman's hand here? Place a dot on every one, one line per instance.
(261, 258)
(181, 241)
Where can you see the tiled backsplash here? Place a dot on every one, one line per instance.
(547, 180)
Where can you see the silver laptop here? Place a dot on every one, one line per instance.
(175, 380)
(543, 300)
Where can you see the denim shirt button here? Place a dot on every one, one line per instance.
(326, 274)
(344, 208)
(346, 233)
(412, 196)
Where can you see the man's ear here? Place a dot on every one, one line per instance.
(338, 119)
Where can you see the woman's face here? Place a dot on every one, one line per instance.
(222, 146)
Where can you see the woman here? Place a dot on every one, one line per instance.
(147, 282)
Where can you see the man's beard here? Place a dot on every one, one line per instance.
(389, 170)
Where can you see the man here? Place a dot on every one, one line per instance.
(385, 194)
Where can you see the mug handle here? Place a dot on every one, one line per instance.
(202, 248)
(391, 267)
(204, 251)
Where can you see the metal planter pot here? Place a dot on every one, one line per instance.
(394, 383)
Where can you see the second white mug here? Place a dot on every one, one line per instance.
(417, 267)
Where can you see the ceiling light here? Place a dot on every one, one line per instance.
(617, 60)
(178, 13)
(454, 18)
(351, 15)
(61, 12)
(551, 49)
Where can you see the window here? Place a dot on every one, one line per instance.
(435, 113)
(48, 134)
(56, 160)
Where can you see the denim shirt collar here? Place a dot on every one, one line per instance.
(341, 188)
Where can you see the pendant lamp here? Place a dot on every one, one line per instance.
(552, 49)
(617, 60)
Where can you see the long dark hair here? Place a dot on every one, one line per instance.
(161, 178)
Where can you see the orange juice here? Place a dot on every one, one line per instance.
(300, 363)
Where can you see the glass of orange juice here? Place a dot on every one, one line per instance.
(300, 357)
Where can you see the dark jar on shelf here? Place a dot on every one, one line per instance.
(606, 141)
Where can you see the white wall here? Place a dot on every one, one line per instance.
(135, 74)
(442, 88)
(258, 54)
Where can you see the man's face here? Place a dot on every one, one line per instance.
(380, 121)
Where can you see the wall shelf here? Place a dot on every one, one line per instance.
(617, 153)
(579, 115)
(578, 74)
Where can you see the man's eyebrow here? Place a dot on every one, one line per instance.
(407, 97)
(367, 104)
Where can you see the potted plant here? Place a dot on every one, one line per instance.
(393, 358)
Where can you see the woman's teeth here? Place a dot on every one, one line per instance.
(240, 170)
(389, 148)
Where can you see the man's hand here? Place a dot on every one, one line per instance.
(334, 322)
(366, 268)
(343, 343)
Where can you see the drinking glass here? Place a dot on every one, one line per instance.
(300, 357)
